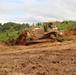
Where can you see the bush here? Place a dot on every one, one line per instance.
(8, 36)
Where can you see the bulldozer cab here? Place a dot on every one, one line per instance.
(49, 26)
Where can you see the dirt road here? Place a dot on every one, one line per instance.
(38, 59)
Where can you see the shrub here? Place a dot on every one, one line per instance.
(8, 37)
(65, 39)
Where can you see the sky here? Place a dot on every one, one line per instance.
(33, 11)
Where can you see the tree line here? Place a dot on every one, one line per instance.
(10, 26)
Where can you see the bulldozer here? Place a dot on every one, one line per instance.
(47, 32)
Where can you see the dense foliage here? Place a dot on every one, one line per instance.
(65, 24)
(12, 26)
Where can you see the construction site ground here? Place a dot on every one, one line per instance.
(39, 59)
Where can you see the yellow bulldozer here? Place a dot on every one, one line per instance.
(47, 32)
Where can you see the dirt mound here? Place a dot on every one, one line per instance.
(73, 27)
(21, 40)
(71, 32)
